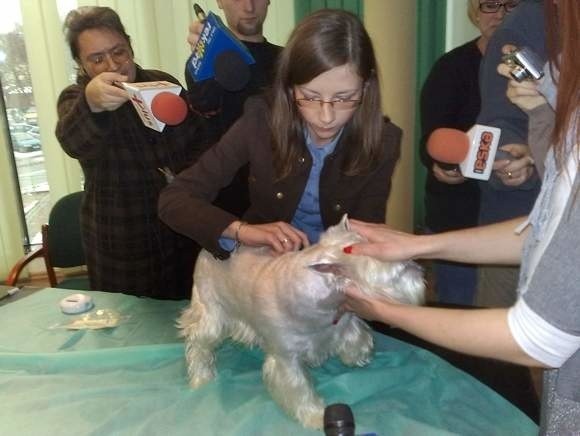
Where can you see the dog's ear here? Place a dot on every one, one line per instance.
(344, 223)
(337, 269)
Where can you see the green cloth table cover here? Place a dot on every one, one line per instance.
(131, 380)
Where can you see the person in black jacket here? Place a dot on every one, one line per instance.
(219, 107)
(450, 98)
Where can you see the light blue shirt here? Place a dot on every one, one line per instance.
(307, 216)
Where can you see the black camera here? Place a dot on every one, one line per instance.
(526, 65)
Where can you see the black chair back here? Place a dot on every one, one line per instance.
(65, 248)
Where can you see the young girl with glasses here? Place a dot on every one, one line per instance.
(318, 147)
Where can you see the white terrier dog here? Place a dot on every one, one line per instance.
(288, 306)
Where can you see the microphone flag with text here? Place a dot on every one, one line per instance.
(157, 103)
(473, 151)
(219, 54)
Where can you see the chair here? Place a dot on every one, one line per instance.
(61, 245)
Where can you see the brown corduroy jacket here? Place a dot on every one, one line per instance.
(185, 204)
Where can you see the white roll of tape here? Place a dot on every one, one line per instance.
(76, 303)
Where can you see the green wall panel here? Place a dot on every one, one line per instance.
(431, 22)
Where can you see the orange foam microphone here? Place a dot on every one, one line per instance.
(473, 151)
(169, 108)
(449, 146)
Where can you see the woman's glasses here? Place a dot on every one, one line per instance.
(119, 55)
(489, 7)
(338, 104)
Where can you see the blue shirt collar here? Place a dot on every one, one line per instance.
(326, 149)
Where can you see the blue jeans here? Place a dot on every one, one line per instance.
(455, 283)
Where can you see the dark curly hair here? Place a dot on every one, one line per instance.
(91, 17)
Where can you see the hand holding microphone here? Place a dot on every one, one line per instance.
(473, 151)
(217, 53)
(195, 28)
(103, 94)
(157, 103)
(450, 176)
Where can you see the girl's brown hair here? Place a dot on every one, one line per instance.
(324, 40)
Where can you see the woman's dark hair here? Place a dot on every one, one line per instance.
(91, 17)
(322, 41)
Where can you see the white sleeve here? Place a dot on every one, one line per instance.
(540, 339)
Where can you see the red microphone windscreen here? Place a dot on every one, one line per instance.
(448, 145)
(169, 108)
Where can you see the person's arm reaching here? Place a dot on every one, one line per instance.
(497, 243)
(479, 332)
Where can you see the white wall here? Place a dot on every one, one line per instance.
(459, 28)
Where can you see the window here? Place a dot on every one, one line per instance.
(21, 116)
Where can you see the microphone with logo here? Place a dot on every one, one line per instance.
(218, 54)
(157, 103)
(473, 151)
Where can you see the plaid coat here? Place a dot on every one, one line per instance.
(128, 248)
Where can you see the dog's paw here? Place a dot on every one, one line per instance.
(200, 378)
(311, 417)
(358, 359)
(356, 356)
(356, 349)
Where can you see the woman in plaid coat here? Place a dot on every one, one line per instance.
(125, 164)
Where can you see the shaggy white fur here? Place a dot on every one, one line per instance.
(286, 305)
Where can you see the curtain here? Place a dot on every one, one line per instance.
(431, 23)
(305, 7)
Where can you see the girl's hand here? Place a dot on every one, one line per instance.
(280, 236)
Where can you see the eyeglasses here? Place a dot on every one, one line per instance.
(338, 104)
(488, 7)
(119, 55)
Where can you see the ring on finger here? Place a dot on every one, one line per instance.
(285, 240)
(509, 174)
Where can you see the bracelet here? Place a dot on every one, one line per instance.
(237, 233)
